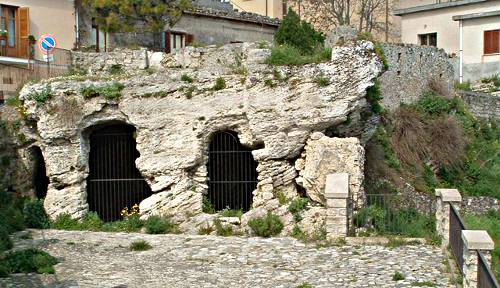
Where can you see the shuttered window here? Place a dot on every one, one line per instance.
(492, 41)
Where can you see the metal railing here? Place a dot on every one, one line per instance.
(456, 243)
(485, 277)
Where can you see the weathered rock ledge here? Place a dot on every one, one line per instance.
(281, 109)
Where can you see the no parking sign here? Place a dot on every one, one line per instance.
(47, 43)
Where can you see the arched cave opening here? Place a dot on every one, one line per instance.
(40, 179)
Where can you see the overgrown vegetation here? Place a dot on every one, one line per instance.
(34, 214)
(491, 223)
(435, 142)
(297, 43)
(160, 225)
(109, 92)
(41, 96)
(267, 226)
(373, 96)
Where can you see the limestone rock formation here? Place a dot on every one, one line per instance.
(175, 119)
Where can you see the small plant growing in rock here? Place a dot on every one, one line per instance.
(223, 230)
(207, 206)
(205, 230)
(398, 276)
(269, 83)
(296, 206)
(160, 225)
(220, 84)
(267, 226)
(231, 213)
(186, 78)
(305, 285)
(42, 96)
(189, 92)
(322, 81)
(115, 69)
(140, 245)
(109, 92)
(281, 197)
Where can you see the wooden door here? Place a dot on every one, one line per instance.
(23, 24)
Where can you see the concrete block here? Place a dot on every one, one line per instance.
(449, 195)
(477, 240)
(337, 185)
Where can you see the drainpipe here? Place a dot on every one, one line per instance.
(77, 23)
(461, 52)
(267, 5)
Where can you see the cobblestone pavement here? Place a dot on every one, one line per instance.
(96, 259)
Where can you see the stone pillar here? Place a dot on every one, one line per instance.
(336, 194)
(445, 198)
(475, 241)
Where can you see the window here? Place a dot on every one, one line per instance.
(429, 39)
(492, 41)
(177, 40)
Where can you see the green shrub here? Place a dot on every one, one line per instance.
(380, 53)
(131, 223)
(29, 261)
(186, 78)
(140, 245)
(42, 96)
(5, 241)
(222, 230)
(12, 219)
(220, 84)
(13, 101)
(115, 69)
(434, 105)
(160, 225)
(109, 92)
(35, 215)
(298, 34)
(267, 226)
(398, 276)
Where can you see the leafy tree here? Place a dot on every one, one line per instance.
(132, 15)
(298, 34)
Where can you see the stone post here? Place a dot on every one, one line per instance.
(445, 198)
(336, 194)
(475, 241)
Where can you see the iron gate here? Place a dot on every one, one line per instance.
(232, 173)
(114, 182)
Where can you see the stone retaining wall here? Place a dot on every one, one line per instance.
(482, 105)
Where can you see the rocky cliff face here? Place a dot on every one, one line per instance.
(274, 110)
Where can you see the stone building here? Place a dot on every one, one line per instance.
(208, 22)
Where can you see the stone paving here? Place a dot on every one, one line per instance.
(98, 259)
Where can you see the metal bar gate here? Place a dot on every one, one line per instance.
(232, 173)
(114, 181)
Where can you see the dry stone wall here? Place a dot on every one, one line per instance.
(275, 110)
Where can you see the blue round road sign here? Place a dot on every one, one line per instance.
(47, 43)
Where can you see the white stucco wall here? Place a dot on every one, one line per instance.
(474, 39)
(440, 21)
(50, 17)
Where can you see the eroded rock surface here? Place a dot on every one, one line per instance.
(274, 110)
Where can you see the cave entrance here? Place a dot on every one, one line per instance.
(232, 173)
(40, 179)
(114, 182)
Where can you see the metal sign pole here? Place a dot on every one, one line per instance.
(48, 64)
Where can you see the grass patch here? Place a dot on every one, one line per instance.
(13, 101)
(423, 284)
(491, 223)
(109, 92)
(231, 213)
(220, 84)
(322, 81)
(207, 206)
(286, 55)
(205, 230)
(305, 285)
(466, 86)
(140, 245)
(267, 226)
